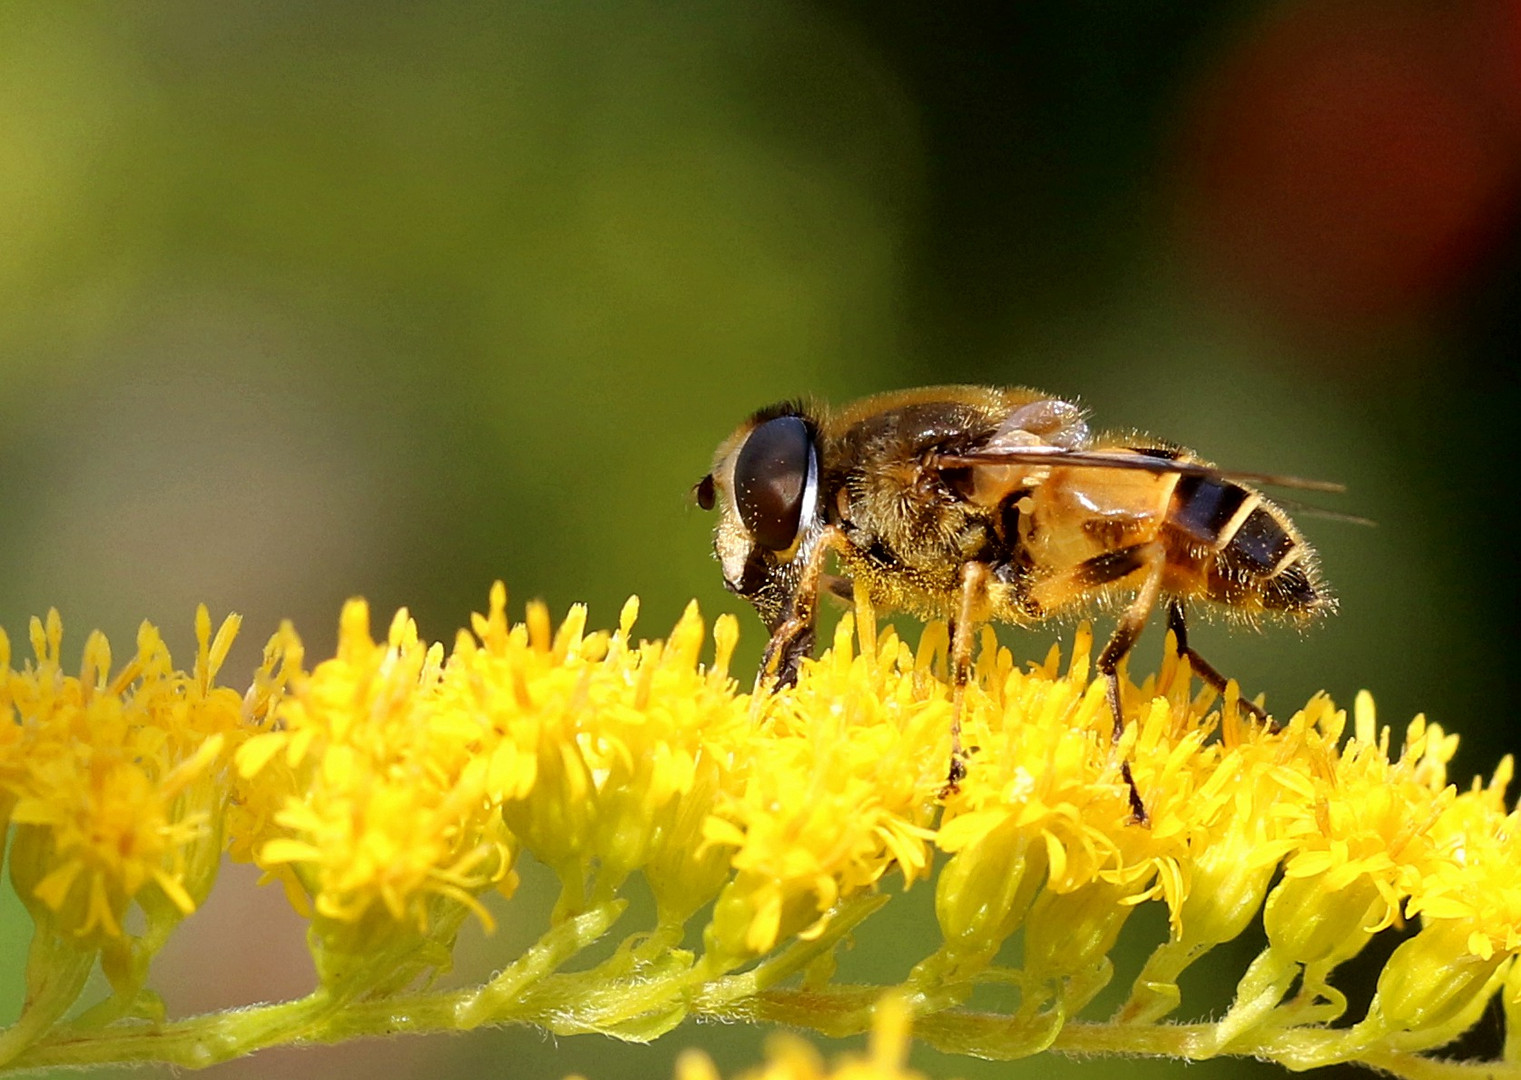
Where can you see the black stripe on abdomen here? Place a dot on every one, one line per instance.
(1202, 507)
(1261, 543)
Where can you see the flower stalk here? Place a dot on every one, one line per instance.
(394, 790)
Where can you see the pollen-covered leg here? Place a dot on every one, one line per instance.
(792, 639)
(970, 617)
(1201, 667)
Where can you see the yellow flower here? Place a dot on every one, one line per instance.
(115, 783)
(383, 825)
(611, 755)
(837, 785)
(390, 787)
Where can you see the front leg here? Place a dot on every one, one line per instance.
(792, 641)
(793, 638)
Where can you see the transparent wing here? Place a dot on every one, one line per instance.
(1138, 460)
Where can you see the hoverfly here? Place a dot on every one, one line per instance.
(975, 503)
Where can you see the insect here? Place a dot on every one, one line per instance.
(975, 503)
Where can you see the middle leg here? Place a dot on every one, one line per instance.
(1147, 562)
(1141, 564)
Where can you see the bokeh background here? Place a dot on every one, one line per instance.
(306, 301)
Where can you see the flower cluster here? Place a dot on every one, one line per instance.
(111, 781)
(115, 787)
(390, 788)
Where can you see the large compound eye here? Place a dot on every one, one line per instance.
(774, 477)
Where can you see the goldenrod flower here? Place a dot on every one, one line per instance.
(389, 788)
(113, 782)
(834, 788)
(115, 786)
(381, 824)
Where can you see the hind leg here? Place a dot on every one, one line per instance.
(1203, 668)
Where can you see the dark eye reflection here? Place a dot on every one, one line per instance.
(770, 477)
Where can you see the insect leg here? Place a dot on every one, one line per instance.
(792, 640)
(1149, 558)
(970, 617)
(838, 586)
(1206, 671)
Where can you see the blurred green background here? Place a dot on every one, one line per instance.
(306, 301)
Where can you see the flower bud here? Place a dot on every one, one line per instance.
(1308, 922)
(1433, 979)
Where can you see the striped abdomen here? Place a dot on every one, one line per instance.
(1229, 544)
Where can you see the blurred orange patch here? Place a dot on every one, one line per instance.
(1350, 163)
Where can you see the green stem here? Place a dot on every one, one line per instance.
(194, 1043)
(207, 1040)
(55, 976)
(847, 1010)
(496, 1000)
(837, 1011)
(718, 993)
